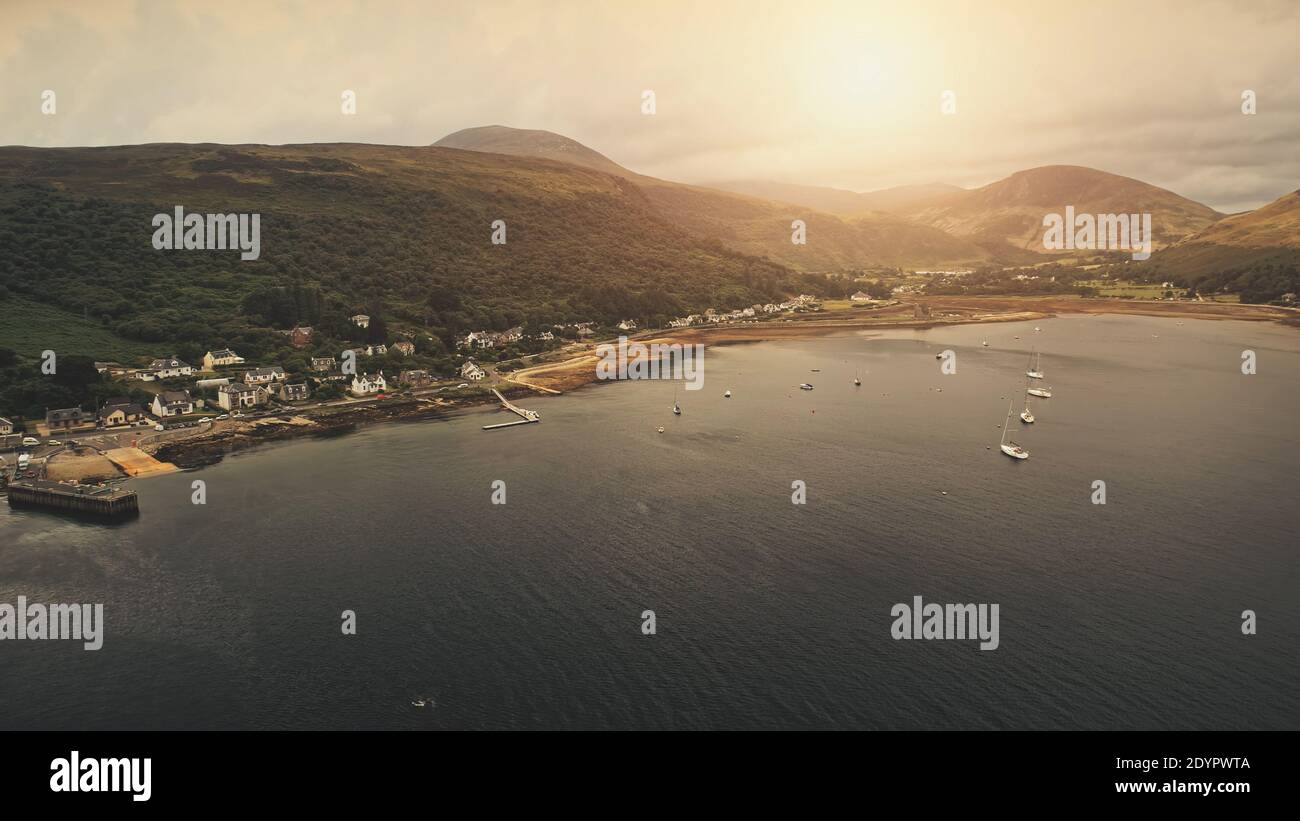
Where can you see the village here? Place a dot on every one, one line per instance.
(169, 397)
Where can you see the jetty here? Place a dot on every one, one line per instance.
(527, 417)
(94, 500)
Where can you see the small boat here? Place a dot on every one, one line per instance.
(857, 381)
(985, 343)
(661, 428)
(727, 395)
(938, 356)
(419, 702)
(677, 409)
(1045, 393)
(816, 370)
(1026, 415)
(805, 387)
(1037, 329)
(1009, 447)
(1035, 371)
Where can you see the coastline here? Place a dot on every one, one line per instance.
(578, 370)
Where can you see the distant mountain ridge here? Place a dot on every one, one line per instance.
(839, 201)
(911, 225)
(1010, 211)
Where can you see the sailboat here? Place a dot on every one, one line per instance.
(1045, 393)
(1027, 415)
(726, 395)
(677, 409)
(1035, 371)
(856, 380)
(1009, 447)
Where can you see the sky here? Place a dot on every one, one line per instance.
(847, 95)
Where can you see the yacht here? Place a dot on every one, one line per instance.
(805, 387)
(727, 395)
(1007, 446)
(1035, 370)
(1026, 415)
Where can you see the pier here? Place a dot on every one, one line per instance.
(93, 500)
(527, 417)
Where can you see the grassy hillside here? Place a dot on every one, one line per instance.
(1007, 216)
(748, 224)
(29, 327)
(344, 228)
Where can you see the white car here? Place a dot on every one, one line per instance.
(54, 443)
(223, 417)
(462, 385)
(159, 426)
(31, 442)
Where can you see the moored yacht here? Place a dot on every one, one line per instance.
(1007, 446)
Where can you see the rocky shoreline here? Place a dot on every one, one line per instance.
(206, 449)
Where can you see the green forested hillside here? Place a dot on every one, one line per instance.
(401, 233)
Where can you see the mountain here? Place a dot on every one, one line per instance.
(521, 142)
(839, 201)
(1256, 254)
(748, 224)
(400, 231)
(1006, 217)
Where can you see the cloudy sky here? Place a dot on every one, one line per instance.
(823, 93)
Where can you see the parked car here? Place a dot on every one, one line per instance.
(54, 443)
(159, 426)
(223, 417)
(31, 442)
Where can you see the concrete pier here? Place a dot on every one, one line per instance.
(525, 416)
(92, 500)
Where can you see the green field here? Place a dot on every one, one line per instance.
(1131, 290)
(31, 327)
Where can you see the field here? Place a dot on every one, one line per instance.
(31, 327)
(1131, 290)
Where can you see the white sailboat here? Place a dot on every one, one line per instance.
(1045, 393)
(1035, 371)
(856, 380)
(1027, 415)
(677, 409)
(1009, 447)
(726, 395)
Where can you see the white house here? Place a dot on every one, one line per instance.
(470, 370)
(361, 320)
(262, 376)
(367, 384)
(170, 368)
(216, 359)
(627, 325)
(238, 395)
(6, 427)
(172, 403)
(861, 296)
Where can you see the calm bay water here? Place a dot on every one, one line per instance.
(527, 615)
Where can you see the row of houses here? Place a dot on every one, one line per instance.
(801, 303)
